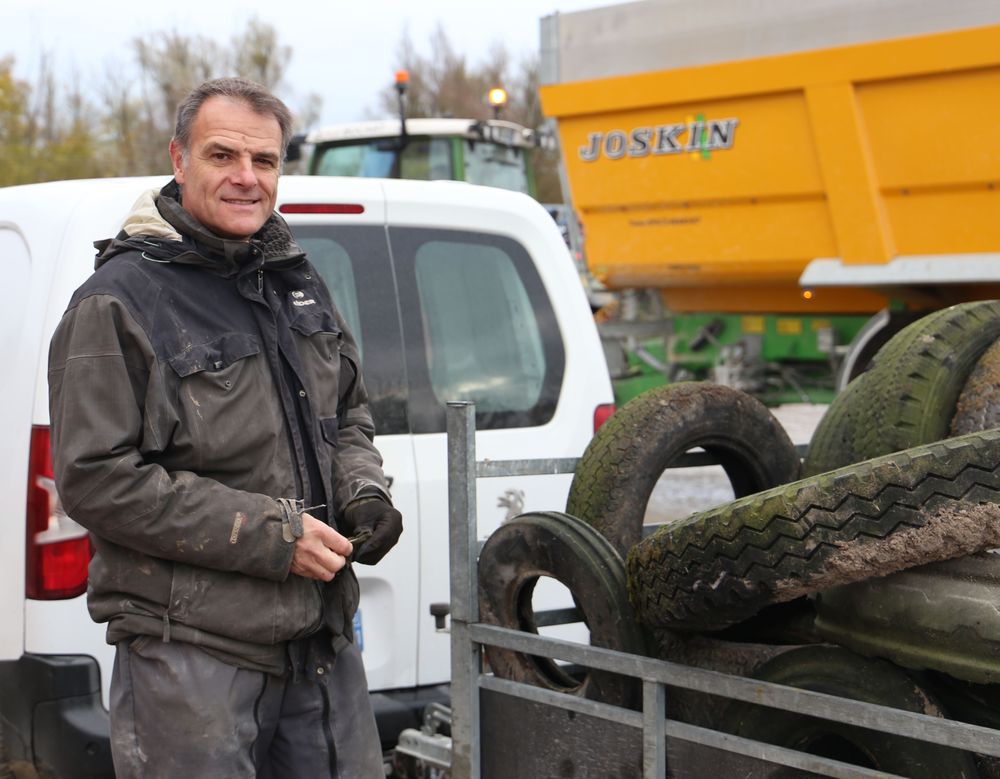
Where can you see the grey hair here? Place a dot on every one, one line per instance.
(256, 96)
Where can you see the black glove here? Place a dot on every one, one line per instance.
(384, 522)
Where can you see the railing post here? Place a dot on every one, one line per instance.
(462, 536)
(654, 714)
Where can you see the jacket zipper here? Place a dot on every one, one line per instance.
(292, 419)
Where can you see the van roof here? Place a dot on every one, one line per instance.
(55, 196)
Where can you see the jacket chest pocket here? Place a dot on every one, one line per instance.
(320, 354)
(221, 384)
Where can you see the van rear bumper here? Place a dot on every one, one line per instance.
(51, 716)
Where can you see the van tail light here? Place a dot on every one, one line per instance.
(602, 414)
(58, 549)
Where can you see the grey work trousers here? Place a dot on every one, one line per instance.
(177, 711)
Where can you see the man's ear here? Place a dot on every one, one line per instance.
(177, 159)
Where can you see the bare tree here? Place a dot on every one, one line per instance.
(258, 56)
(14, 146)
(38, 140)
(51, 131)
(445, 84)
(170, 65)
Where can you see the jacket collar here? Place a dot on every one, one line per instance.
(160, 228)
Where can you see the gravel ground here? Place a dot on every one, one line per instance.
(682, 491)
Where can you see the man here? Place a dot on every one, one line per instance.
(211, 429)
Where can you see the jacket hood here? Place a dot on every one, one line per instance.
(158, 226)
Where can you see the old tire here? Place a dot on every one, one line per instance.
(941, 616)
(832, 445)
(836, 671)
(570, 551)
(626, 457)
(875, 333)
(978, 406)
(910, 393)
(724, 565)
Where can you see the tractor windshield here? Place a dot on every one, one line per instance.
(425, 159)
(495, 165)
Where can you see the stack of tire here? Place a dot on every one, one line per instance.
(903, 470)
(906, 452)
(880, 464)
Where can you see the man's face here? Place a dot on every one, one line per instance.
(229, 181)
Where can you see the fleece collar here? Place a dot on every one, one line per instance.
(160, 228)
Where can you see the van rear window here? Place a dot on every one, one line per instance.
(478, 326)
(355, 264)
(445, 315)
(482, 341)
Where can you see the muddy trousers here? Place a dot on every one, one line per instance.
(177, 712)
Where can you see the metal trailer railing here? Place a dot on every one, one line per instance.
(469, 635)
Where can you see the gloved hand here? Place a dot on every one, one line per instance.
(382, 519)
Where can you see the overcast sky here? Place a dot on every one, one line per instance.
(343, 51)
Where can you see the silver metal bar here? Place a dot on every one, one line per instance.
(549, 617)
(654, 716)
(565, 701)
(866, 715)
(463, 550)
(494, 468)
(490, 468)
(772, 754)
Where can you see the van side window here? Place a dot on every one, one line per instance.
(478, 326)
(354, 262)
(334, 265)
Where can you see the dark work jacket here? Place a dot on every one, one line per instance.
(191, 381)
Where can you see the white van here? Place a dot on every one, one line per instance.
(454, 292)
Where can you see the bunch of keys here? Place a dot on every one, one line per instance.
(356, 540)
(361, 536)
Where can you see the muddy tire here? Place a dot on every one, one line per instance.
(838, 672)
(909, 508)
(875, 333)
(940, 616)
(911, 391)
(978, 406)
(626, 457)
(573, 553)
(832, 445)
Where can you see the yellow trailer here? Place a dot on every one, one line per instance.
(792, 193)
